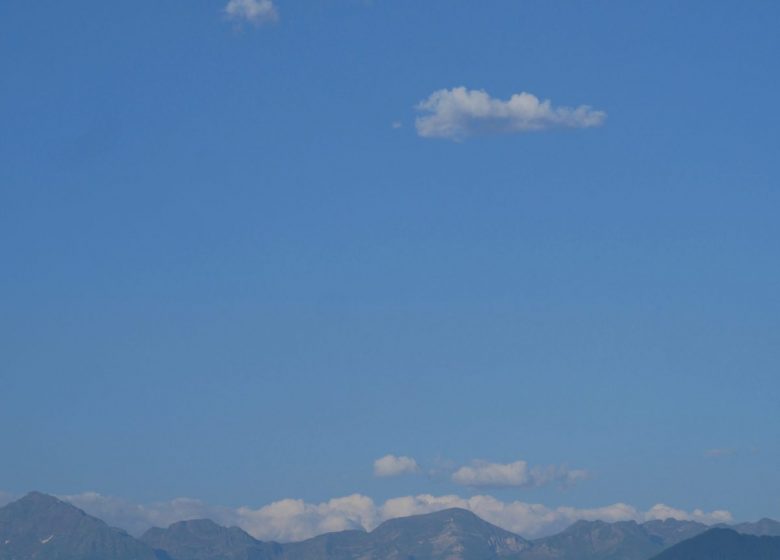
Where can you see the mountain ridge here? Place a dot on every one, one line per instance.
(450, 534)
(203, 539)
(42, 527)
(723, 544)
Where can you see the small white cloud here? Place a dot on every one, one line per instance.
(257, 12)
(517, 474)
(393, 465)
(457, 113)
(396, 124)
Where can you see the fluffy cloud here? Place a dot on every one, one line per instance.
(518, 474)
(291, 520)
(393, 465)
(459, 112)
(257, 12)
(662, 511)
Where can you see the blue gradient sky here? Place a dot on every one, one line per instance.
(226, 275)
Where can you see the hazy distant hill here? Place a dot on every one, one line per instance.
(624, 540)
(763, 528)
(590, 540)
(40, 527)
(672, 531)
(202, 539)
(724, 544)
(449, 534)
(342, 545)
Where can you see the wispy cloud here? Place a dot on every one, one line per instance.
(257, 12)
(393, 465)
(457, 113)
(721, 452)
(482, 474)
(290, 519)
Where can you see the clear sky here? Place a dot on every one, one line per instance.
(247, 252)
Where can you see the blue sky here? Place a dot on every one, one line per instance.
(236, 268)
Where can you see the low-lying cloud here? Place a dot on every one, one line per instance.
(256, 12)
(457, 113)
(292, 520)
(482, 474)
(394, 465)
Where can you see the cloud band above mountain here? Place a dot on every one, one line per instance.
(291, 520)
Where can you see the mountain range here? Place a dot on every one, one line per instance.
(41, 527)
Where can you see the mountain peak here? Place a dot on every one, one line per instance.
(586, 539)
(196, 525)
(452, 533)
(449, 514)
(591, 525)
(40, 506)
(35, 494)
(203, 539)
(763, 527)
(36, 497)
(43, 527)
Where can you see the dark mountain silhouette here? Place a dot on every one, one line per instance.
(724, 544)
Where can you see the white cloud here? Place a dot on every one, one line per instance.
(457, 113)
(257, 12)
(517, 474)
(393, 465)
(291, 520)
(662, 511)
